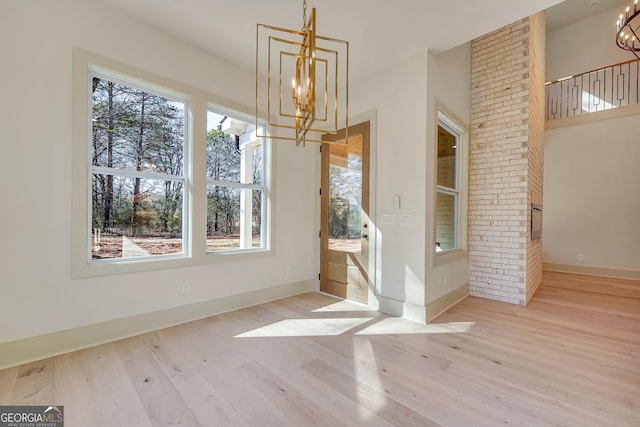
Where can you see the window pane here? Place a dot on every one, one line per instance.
(223, 157)
(226, 227)
(257, 167)
(447, 148)
(136, 130)
(345, 198)
(233, 152)
(235, 155)
(445, 222)
(134, 217)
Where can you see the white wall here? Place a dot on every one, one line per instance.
(591, 173)
(37, 294)
(449, 88)
(404, 97)
(399, 96)
(584, 46)
(592, 195)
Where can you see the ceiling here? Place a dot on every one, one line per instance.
(379, 32)
(570, 11)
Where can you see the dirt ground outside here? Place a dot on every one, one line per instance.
(111, 246)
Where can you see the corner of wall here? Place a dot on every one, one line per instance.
(535, 145)
(444, 303)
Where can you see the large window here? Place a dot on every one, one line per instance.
(138, 174)
(448, 185)
(235, 184)
(161, 178)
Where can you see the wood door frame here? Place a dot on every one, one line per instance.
(364, 128)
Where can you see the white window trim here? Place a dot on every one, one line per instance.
(133, 83)
(266, 174)
(449, 121)
(195, 239)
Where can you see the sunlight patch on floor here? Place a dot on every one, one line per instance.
(338, 326)
(306, 327)
(343, 306)
(395, 326)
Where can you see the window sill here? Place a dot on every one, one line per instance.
(446, 257)
(238, 253)
(97, 269)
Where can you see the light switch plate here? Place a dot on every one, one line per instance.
(387, 219)
(407, 219)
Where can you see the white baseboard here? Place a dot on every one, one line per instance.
(26, 350)
(592, 271)
(444, 303)
(401, 309)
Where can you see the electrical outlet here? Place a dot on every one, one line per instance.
(580, 257)
(186, 288)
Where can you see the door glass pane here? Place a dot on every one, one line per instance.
(345, 196)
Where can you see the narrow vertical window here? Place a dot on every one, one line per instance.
(447, 185)
(137, 171)
(235, 184)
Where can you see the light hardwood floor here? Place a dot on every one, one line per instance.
(570, 358)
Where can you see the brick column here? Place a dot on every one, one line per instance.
(505, 167)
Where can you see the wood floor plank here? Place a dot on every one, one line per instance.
(216, 356)
(287, 362)
(164, 405)
(285, 397)
(593, 284)
(169, 349)
(208, 404)
(402, 376)
(34, 384)
(7, 384)
(373, 400)
(571, 358)
(96, 389)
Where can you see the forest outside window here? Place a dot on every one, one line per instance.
(235, 184)
(138, 176)
(161, 177)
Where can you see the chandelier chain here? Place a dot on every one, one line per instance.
(304, 16)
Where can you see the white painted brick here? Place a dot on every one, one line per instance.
(507, 130)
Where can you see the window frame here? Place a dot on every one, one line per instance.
(185, 178)
(194, 218)
(265, 144)
(446, 120)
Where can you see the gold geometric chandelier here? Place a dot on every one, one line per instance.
(628, 28)
(302, 82)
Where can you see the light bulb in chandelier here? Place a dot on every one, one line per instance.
(628, 28)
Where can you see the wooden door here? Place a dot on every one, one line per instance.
(344, 234)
